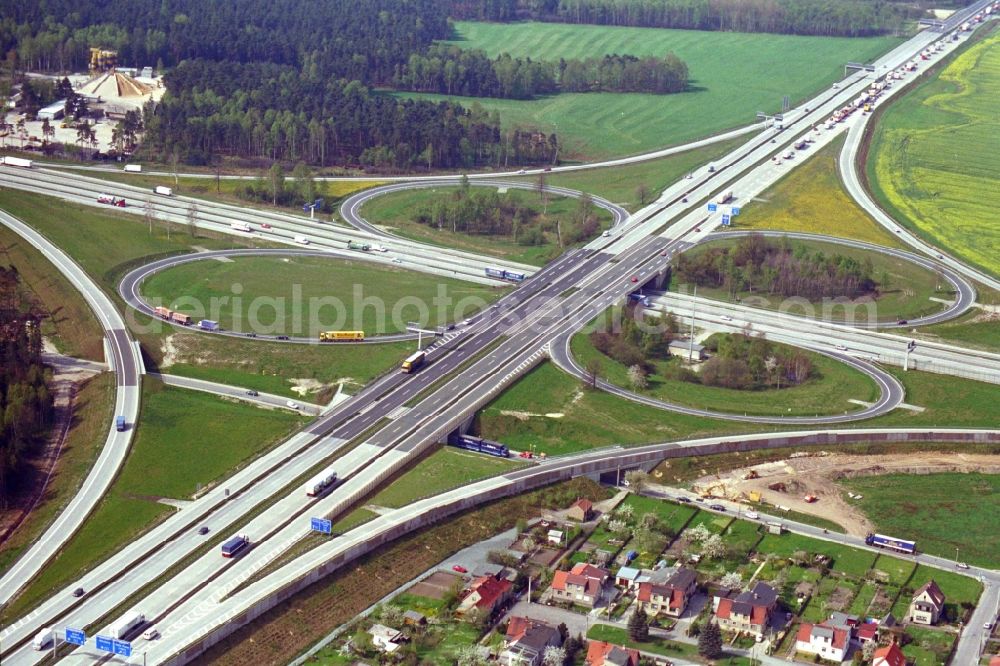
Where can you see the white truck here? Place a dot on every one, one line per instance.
(724, 196)
(301, 240)
(124, 626)
(240, 226)
(165, 191)
(17, 161)
(43, 639)
(133, 168)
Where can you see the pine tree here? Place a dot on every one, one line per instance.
(638, 626)
(710, 641)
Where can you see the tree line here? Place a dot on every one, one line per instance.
(847, 18)
(751, 362)
(450, 70)
(26, 407)
(277, 112)
(758, 265)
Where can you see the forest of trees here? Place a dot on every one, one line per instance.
(450, 70)
(25, 403)
(752, 362)
(758, 265)
(490, 213)
(849, 18)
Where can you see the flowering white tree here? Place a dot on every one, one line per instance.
(732, 580)
(624, 511)
(714, 547)
(554, 656)
(698, 533)
(473, 655)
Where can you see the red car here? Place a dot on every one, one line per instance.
(525, 454)
(265, 225)
(460, 569)
(635, 279)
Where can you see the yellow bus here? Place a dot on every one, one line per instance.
(341, 336)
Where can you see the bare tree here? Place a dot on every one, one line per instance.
(147, 212)
(642, 191)
(637, 480)
(192, 220)
(594, 368)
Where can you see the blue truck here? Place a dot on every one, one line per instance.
(208, 325)
(235, 546)
(502, 274)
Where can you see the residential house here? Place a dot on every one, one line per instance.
(486, 594)
(889, 656)
(748, 612)
(385, 638)
(927, 604)
(582, 511)
(600, 653)
(629, 577)
(526, 640)
(582, 585)
(868, 633)
(556, 537)
(670, 598)
(830, 643)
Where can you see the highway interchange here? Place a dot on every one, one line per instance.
(415, 412)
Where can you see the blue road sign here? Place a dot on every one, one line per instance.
(725, 220)
(105, 643)
(307, 207)
(734, 211)
(124, 648)
(321, 525)
(712, 207)
(75, 636)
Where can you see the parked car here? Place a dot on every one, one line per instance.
(459, 568)
(717, 507)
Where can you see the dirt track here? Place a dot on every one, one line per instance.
(817, 475)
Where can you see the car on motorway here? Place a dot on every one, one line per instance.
(684, 500)
(752, 515)
(397, 260)
(548, 168)
(252, 392)
(711, 168)
(459, 568)
(251, 335)
(962, 565)
(525, 454)
(684, 200)
(902, 322)
(940, 257)
(726, 318)
(150, 634)
(635, 279)
(522, 171)
(840, 348)
(466, 322)
(281, 337)
(697, 229)
(265, 225)
(717, 507)
(292, 404)
(988, 626)
(202, 530)
(78, 592)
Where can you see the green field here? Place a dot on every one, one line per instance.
(941, 512)
(397, 212)
(812, 199)
(947, 401)
(907, 297)
(443, 470)
(929, 647)
(549, 411)
(184, 440)
(733, 75)
(933, 158)
(827, 393)
(973, 329)
(304, 295)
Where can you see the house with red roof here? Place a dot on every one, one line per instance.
(486, 594)
(670, 598)
(830, 643)
(889, 656)
(583, 584)
(600, 653)
(927, 604)
(582, 510)
(748, 612)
